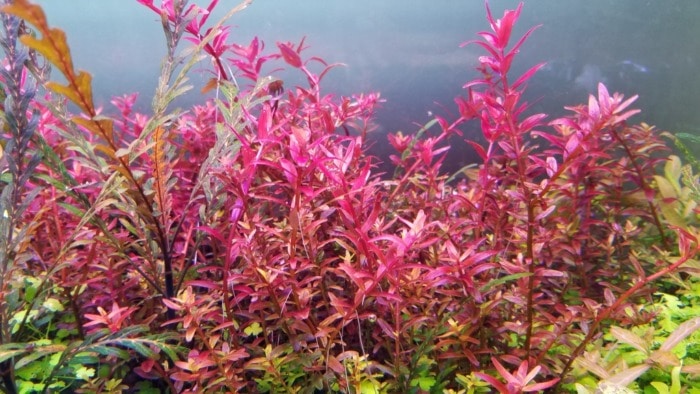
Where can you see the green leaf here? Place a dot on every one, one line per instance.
(253, 329)
(661, 387)
(676, 380)
(503, 280)
(7, 354)
(37, 353)
(688, 137)
(35, 370)
(26, 387)
(425, 383)
(139, 346)
(111, 351)
(146, 387)
(53, 305)
(31, 286)
(84, 373)
(369, 387)
(672, 170)
(30, 293)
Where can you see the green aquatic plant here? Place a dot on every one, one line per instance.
(660, 356)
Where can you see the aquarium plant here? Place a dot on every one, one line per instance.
(247, 244)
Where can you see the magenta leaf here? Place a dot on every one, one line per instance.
(289, 55)
(527, 75)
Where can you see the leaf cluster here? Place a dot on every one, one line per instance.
(247, 245)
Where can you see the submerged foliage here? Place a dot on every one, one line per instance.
(245, 245)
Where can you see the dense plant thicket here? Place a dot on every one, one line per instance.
(245, 245)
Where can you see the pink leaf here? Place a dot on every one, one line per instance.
(626, 104)
(527, 75)
(593, 109)
(531, 121)
(505, 25)
(289, 55)
(479, 150)
(604, 99)
(540, 387)
(504, 372)
(522, 39)
(386, 328)
(492, 381)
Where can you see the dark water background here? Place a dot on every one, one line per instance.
(409, 51)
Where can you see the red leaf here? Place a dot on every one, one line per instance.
(386, 329)
(522, 39)
(492, 381)
(290, 56)
(479, 150)
(504, 26)
(527, 75)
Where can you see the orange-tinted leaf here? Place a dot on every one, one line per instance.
(161, 175)
(83, 82)
(335, 365)
(103, 128)
(106, 150)
(32, 13)
(65, 90)
(211, 84)
(54, 47)
(664, 358)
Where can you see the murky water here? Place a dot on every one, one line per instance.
(409, 50)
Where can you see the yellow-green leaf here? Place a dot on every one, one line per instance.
(53, 305)
(253, 330)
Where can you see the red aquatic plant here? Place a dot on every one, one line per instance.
(249, 241)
